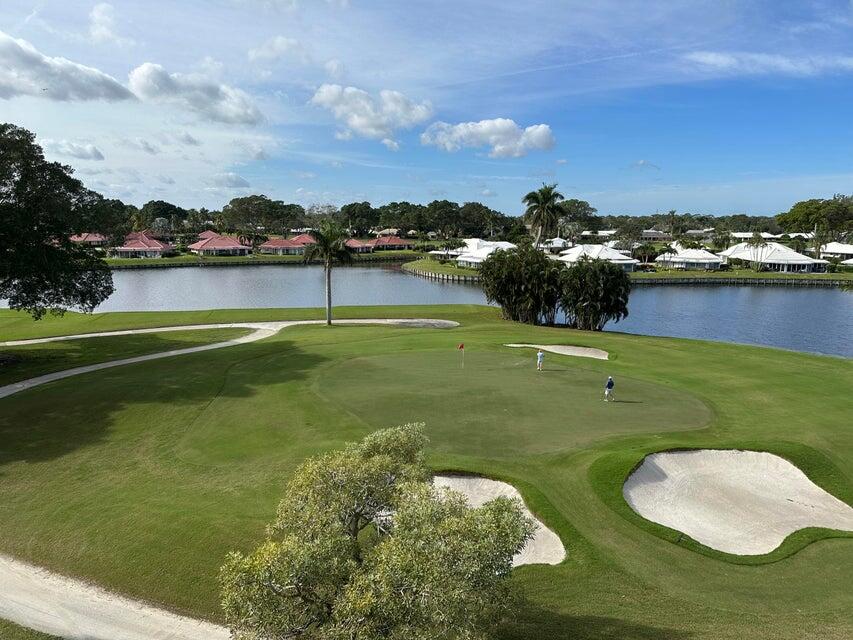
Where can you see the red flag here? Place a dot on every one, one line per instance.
(461, 346)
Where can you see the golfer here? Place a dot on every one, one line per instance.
(540, 357)
(608, 389)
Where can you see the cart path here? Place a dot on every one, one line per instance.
(260, 330)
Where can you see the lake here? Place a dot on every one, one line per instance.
(803, 319)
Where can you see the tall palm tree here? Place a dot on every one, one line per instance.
(759, 244)
(543, 209)
(330, 248)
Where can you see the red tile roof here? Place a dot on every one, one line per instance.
(88, 237)
(386, 241)
(276, 243)
(352, 243)
(141, 241)
(204, 235)
(218, 242)
(304, 238)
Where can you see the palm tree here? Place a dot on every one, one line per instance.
(759, 244)
(543, 210)
(329, 247)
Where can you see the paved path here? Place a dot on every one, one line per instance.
(72, 609)
(260, 330)
(566, 350)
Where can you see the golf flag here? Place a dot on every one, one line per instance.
(461, 346)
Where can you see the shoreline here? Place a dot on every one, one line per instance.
(167, 263)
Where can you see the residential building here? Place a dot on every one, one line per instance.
(281, 247)
(220, 246)
(140, 244)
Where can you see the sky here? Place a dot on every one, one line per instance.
(707, 107)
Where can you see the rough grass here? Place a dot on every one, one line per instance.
(141, 478)
(11, 631)
(434, 266)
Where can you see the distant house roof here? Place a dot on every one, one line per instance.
(388, 241)
(839, 248)
(595, 252)
(218, 242)
(86, 238)
(281, 243)
(352, 243)
(388, 232)
(304, 238)
(690, 256)
(142, 241)
(769, 253)
(204, 235)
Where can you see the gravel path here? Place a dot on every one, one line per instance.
(566, 350)
(742, 502)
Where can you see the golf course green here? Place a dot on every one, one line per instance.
(142, 477)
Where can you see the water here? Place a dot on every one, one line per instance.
(802, 319)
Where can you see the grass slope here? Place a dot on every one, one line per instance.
(11, 631)
(141, 478)
(434, 266)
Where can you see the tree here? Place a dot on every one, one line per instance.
(646, 252)
(543, 209)
(524, 282)
(594, 292)
(364, 548)
(835, 215)
(759, 244)
(722, 239)
(41, 206)
(360, 217)
(629, 233)
(578, 216)
(330, 247)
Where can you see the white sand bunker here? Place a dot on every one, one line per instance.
(566, 350)
(742, 502)
(544, 548)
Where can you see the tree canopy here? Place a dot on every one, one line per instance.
(593, 293)
(41, 206)
(364, 548)
(543, 210)
(832, 217)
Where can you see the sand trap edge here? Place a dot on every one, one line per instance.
(566, 350)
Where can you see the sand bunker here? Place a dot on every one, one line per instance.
(566, 350)
(741, 502)
(544, 548)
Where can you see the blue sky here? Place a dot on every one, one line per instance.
(713, 107)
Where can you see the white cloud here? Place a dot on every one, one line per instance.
(488, 193)
(369, 116)
(230, 181)
(504, 136)
(147, 147)
(305, 175)
(562, 161)
(645, 164)
(188, 139)
(392, 145)
(74, 149)
(26, 71)
(166, 179)
(279, 47)
(335, 68)
(102, 25)
(211, 100)
(760, 63)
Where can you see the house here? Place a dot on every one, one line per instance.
(746, 235)
(604, 233)
(701, 234)
(774, 257)
(390, 243)
(206, 235)
(220, 246)
(89, 239)
(303, 238)
(690, 259)
(837, 250)
(140, 244)
(597, 252)
(357, 246)
(476, 251)
(387, 232)
(556, 244)
(653, 235)
(281, 247)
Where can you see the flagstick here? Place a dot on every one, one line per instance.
(463, 358)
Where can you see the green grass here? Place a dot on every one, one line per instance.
(141, 478)
(11, 631)
(434, 266)
(28, 361)
(260, 258)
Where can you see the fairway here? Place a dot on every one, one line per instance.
(140, 478)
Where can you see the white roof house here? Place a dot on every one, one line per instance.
(654, 234)
(837, 250)
(690, 259)
(848, 263)
(772, 255)
(746, 235)
(477, 250)
(597, 252)
(556, 243)
(604, 233)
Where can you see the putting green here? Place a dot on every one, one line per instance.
(498, 402)
(141, 478)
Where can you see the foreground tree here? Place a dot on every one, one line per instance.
(543, 210)
(330, 248)
(364, 548)
(41, 206)
(594, 292)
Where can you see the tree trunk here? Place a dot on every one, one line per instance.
(328, 294)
